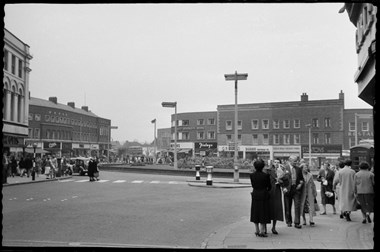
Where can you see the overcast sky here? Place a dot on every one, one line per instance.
(123, 60)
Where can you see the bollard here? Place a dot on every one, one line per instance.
(236, 173)
(197, 172)
(209, 175)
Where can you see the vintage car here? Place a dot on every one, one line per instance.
(80, 165)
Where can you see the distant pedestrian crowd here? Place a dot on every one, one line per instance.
(280, 185)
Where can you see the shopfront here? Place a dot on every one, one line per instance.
(284, 152)
(321, 154)
(13, 144)
(53, 147)
(82, 150)
(184, 149)
(206, 149)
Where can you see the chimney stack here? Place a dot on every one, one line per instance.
(53, 99)
(341, 95)
(71, 104)
(304, 97)
(85, 108)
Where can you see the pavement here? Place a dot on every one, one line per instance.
(329, 232)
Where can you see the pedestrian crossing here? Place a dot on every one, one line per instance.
(121, 181)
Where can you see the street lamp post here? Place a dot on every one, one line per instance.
(155, 144)
(235, 77)
(173, 105)
(309, 126)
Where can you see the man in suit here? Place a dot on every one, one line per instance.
(293, 182)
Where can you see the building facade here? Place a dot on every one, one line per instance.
(276, 130)
(16, 69)
(65, 130)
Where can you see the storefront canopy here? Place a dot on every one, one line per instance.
(38, 151)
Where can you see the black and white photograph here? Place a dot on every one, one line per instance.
(226, 125)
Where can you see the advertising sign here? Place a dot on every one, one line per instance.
(52, 145)
(206, 145)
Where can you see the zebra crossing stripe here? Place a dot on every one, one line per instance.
(102, 181)
(173, 182)
(154, 182)
(80, 181)
(119, 181)
(137, 181)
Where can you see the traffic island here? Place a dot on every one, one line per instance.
(218, 184)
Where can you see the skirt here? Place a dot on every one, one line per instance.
(366, 202)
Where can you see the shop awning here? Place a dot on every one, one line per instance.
(186, 150)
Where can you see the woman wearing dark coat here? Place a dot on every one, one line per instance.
(260, 198)
(92, 169)
(276, 211)
(326, 177)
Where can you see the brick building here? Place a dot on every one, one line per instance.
(67, 130)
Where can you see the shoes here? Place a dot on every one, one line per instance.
(257, 233)
(289, 224)
(312, 223)
(304, 223)
(262, 235)
(341, 216)
(323, 213)
(348, 217)
(364, 221)
(297, 226)
(274, 231)
(368, 218)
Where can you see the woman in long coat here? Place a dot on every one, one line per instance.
(326, 177)
(308, 195)
(346, 178)
(364, 189)
(276, 211)
(260, 198)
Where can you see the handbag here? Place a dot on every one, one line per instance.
(96, 174)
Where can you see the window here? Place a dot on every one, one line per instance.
(315, 123)
(37, 117)
(286, 124)
(327, 138)
(327, 122)
(200, 122)
(30, 118)
(36, 133)
(276, 124)
(265, 138)
(228, 125)
(297, 139)
(239, 137)
(315, 138)
(30, 133)
(20, 68)
(255, 139)
(240, 125)
(211, 121)
(5, 59)
(255, 124)
(200, 135)
(53, 134)
(229, 137)
(13, 64)
(211, 135)
(185, 122)
(185, 135)
(351, 126)
(276, 139)
(365, 126)
(297, 123)
(47, 134)
(265, 124)
(287, 139)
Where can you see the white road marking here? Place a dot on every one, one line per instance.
(80, 181)
(154, 182)
(74, 197)
(173, 182)
(65, 180)
(102, 181)
(119, 181)
(137, 181)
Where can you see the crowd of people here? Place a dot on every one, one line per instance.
(277, 187)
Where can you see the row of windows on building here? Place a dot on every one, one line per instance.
(62, 120)
(200, 135)
(285, 139)
(16, 64)
(276, 124)
(63, 135)
(210, 121)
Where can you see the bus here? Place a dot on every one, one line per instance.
(362, 152)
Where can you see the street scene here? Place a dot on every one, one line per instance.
(189, 126)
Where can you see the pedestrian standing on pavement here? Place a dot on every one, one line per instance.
(326, 177)
(21, 165)
(28, 165)
(336, 187)
(261, 185)
(346, 178)
(293, 182)
(54, 165)
(38, 165)
(13, 166)
(364, 190)
(276, 211)
(308, 195)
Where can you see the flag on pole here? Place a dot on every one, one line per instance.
(154, 120)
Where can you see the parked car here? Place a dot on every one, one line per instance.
(80, 165)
